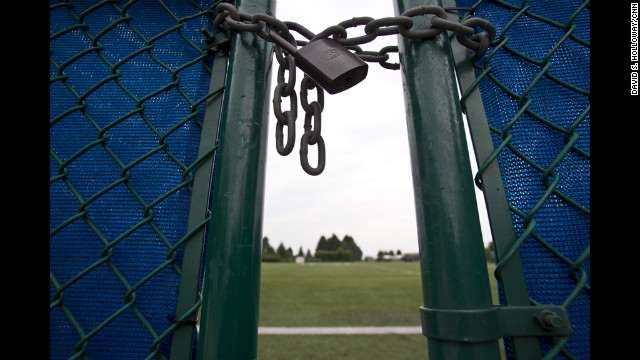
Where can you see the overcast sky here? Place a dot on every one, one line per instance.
(366, 189)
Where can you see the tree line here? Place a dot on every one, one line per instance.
(489, 253)
(327, 249)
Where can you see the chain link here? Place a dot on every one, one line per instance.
(287, 118)
(229, 18)
(312, 134)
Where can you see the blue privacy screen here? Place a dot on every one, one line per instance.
(535, 86)
(127, 80)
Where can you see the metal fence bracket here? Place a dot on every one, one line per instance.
(491, 324)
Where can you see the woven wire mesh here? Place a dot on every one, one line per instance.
(535, 86)
(128, 86)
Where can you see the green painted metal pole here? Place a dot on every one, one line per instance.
(514, 286)
(231, 289)
(452, 262)
(188, 294)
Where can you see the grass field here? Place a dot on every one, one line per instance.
(341, 294)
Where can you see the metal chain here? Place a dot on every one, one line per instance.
(287, 118)
(311, 134)
(229, 18)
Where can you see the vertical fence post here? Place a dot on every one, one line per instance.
(452, 262)
(229, 318)
(512, 281)
(188, 294)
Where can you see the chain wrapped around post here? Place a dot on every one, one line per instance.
(229, 18)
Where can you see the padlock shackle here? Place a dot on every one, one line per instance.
(280, 41)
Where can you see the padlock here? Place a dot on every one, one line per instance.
(330, 64)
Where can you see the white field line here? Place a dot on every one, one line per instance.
(344, 330)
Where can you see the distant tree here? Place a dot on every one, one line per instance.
(266, 248)
(300, 252)
(350, 245)
(282, 252)
(334, 249)
(322, 244)
(338, 255)
(398, 252)
(343, 255)
(333, 243)
(308, 256)
(271, 258)
(380, 255)
(288, 256)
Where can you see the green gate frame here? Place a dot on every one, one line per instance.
(188, 292)
(513, 281)
(231, 287)
(459, 318)
(452, 262)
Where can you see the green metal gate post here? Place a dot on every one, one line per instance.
(229, 318)
(452, 262)
(514, 286)
(188, 294)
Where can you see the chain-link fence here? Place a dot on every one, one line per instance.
(129, 84)
(535, 86)
(128, 87)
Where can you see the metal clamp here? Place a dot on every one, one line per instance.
(181, 322)
(495, 323)
(218, 42)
